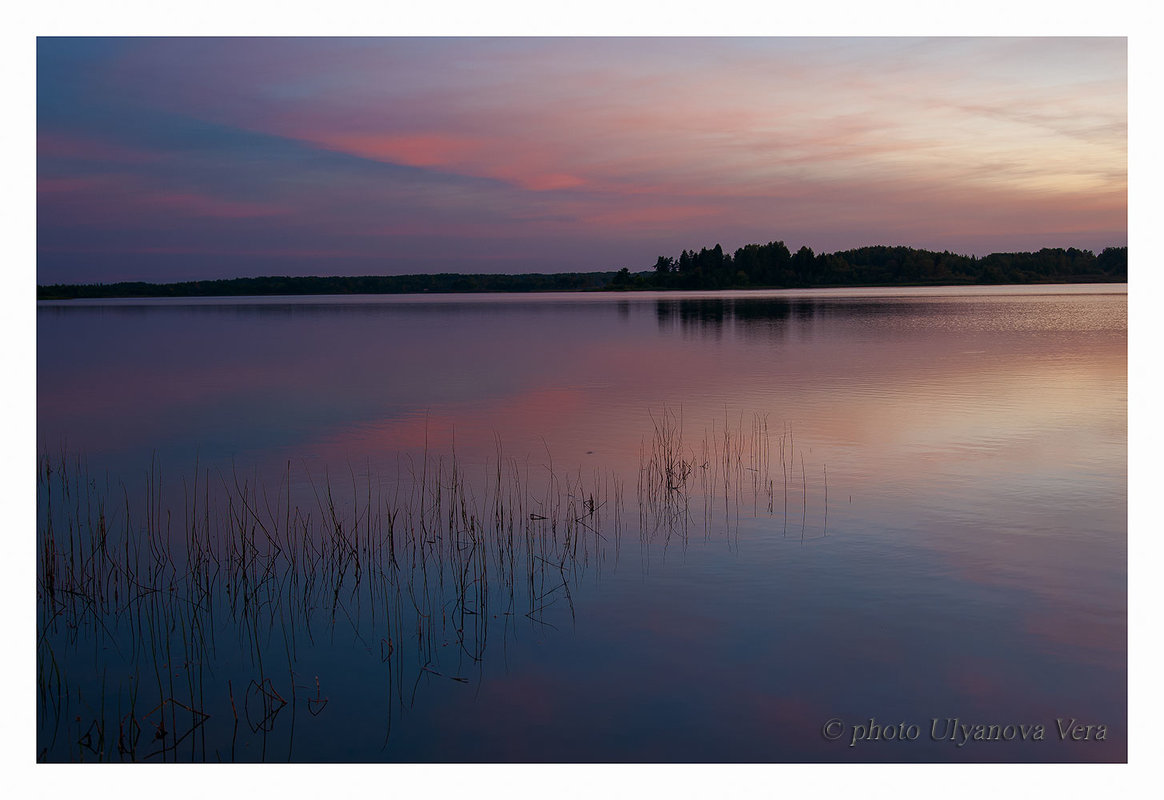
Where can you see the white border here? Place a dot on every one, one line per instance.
(734, 17)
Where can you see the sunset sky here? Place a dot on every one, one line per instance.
(176, 159)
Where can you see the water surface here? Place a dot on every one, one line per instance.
(888, 508)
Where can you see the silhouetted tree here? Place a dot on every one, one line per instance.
(802, 265)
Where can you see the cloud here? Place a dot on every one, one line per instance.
(552, 143)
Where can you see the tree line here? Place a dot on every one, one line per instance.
(310, 285)
(770, 265)
(774, 265)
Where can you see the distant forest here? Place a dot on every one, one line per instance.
(753, 266)
(773, 265)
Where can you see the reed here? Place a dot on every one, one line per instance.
(419, 570)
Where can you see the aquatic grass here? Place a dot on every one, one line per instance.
(418, 570)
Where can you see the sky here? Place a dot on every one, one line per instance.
(188, 158)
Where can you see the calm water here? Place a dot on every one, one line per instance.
(623, 527)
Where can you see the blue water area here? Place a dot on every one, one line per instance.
(839, 526)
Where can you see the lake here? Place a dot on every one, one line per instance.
(772, 526)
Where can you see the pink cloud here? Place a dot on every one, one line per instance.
(63, 145)
(665, 215)
(434, 150)
(550, 181)
(202, 249)
(472, 156)
(113, 199)
(74, 185)
(190, 204)
(831, 141)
